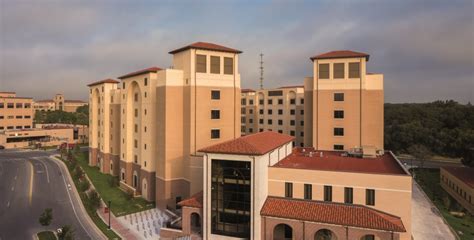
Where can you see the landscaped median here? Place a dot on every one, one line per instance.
(429, 181)
(46, 235)
(88, 199)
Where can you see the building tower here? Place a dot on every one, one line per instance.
(343, 103)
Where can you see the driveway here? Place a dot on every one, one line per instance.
(427, 224)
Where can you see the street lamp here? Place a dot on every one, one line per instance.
(110, 205)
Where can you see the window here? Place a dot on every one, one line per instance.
(324, 71)
(370, 197)
(135, 158)
(270, 122)
(144, 146)
(292, 122)
(301, 123)
(135, 143)
(242, 111)
(354, 70)
(146, 81)
(260, 111)
(215, 133)
(260, 101)
(19, 105)
(302, 112)
(288, 190)
(250, 130)
(302, 101)
(215, 64)
(348, 195)
(260, 121)
(250, 102)
(338, 147)
(280, 131)
(308, 191)
(228, 65)
(270, 112)
(10, 105)
(280, 122)
(215, 114)
(136, 112)
(275, 93)
(215, 94)
(201, 63)
(338, 131)
(260, 130)
(301, 134)
(280, 101)
(136, 127)
(292, 133)
(280, 111)
(2, 117)
(19, 117)
(250, 120)
(338, 70)
(27, 126)
(338, 97)
(339, 114)
(123, 87)
(135, 98)
(250, 111)
(270, 101)
(327, 193)
(293, 101)
(368, 237)
(292, 112)
(243, 101)
(2, 105)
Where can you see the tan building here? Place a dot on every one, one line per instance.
(37, 137)
(459, 183)
(15, 112)
(259, 187)
(58, 103)
(343, 103)
(280, 110)
(148, 127)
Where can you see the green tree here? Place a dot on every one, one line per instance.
(67, 233)
(46, 217)
(420, 153)
(94, 200)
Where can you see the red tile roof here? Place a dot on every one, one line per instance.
(9, 92)
(247, 90)
(341, 54)
(206, 46)
(103, 81)
(45, 101)
(333, 161)
(331, 213)
(465, 174)
(194, 201)
(253, 144)
(139, 72)
(74, 101)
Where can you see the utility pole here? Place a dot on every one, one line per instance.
(261, 71)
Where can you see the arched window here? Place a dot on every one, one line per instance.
(368, 237)
(324, 234)
(282, 232)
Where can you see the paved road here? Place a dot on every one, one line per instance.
(427, 224)
(30, 182)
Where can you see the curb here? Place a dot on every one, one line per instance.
(76, 195)
(437, 210)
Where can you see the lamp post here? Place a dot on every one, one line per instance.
(110, 205)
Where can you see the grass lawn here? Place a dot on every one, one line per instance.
(46, 235)
(120, 204)
(429, 180)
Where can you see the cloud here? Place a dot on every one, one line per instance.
(424, 48)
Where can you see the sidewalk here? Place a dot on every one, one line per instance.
(121, 230)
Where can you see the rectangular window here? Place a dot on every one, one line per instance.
(339, 114)
(136, 112)
(250, 111)
(292, 122)
(136, 127)
(338, 131)
(302, 112)
(135, 98)
(301, 134)
(293, 101)
(338, 70)
(250, 102)
(328, 193)
(201, 63)
(280, 111)
(215, 64)
(308, 191)
(19, 105)
(270, 122)
(270, 101)
(215, 94)
(215, 133)
(370, 197)
(250, 120)
(338, 147)
(260, 111)
(292, 133)
(280, 131)
(280, 101)
(260, 101)
(288, 190)
(292, 112)
(354, 70)
(270, 112)
(250, 130)
(242, 111)
(338, 97)
(215, 114)
(260, 121)
(324, 71)
(348, 195)
(10, 105)
(2, 105)
(19, 117)
(243, 101)
(302, 101)
(275, 93)
(228, 65)
(145, 82)
(135, 143)
(135, 158)
(280, 122)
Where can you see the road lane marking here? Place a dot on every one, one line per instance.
(46, 169)
(30, 195)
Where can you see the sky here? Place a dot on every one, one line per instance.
(425, 49)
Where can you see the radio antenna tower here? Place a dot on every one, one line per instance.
(261, 71)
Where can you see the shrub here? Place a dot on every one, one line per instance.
(84, 185)
(94, 200)
(46, 217)
(78, 172)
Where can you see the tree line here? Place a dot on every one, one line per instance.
(81, 116)
(444, 128)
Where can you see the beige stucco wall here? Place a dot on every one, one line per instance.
(16, 118)
(57, 137)
(388, 189)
